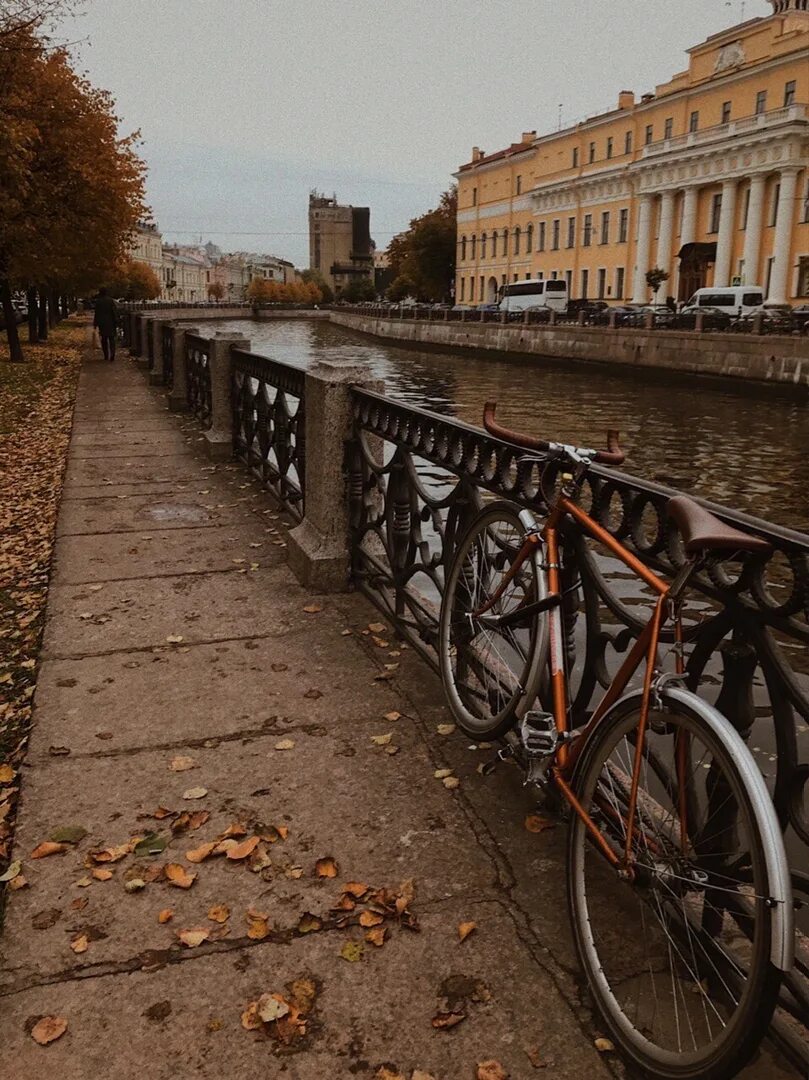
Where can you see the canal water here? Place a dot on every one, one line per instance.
(746, 448)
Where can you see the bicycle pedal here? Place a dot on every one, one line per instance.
(539, 735)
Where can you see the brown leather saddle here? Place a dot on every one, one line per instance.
(702, 531)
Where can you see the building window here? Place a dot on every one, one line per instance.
(693, 123)
(585, 283)
(746, 210)
(517, 234)
(471, 288)
(555, 241)
(619, 283)
(605, 227)
(541, 237)
(623, 226)
(805, 217)
(463, 249)
(803, 276)
(592, 151)
(505, 244)
(474, 196)
(571, 232)
(529, 239)
(628, 143)
(789, 93)
(482, 287)
(587, 237)
(727, 106)
(554, 275)
(650, 134)
(516, 277)
(519, 185)
(716, 213)
(610, 143)
(669, 128)
(474, 248)
(761, 102)
(569, 282)
(776, 198)
(575, 157)
(602, 283)
(483, 241)
(463, 289)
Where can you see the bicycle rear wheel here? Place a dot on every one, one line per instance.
(679, 959)
(488, 671)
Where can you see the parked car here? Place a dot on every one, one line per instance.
(800, 316)
(775, 319)
(713, 318)
(590, 307)
(463, 307)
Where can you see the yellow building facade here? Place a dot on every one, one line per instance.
(707, 178)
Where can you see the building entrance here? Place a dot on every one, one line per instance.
(695, 260)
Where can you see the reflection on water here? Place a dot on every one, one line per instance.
(748, 450)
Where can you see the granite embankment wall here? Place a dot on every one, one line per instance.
(773, 359)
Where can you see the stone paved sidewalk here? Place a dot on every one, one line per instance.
(154, 543)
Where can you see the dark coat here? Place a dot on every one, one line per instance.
(106, 316)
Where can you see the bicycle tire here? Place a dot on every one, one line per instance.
(700, 957)
(485, 685)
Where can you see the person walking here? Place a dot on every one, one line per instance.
(105, 320)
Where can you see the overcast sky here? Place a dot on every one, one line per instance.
(244, 105)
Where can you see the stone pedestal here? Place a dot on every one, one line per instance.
(318, 549)
(219, 437)
(178, 397)
(155, 328)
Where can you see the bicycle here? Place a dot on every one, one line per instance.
(677, 881)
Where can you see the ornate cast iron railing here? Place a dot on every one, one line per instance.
(198, 377)
(268, 425)
(167, 346)
(417, 478)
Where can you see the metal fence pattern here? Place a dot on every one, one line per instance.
(268, 425)
(417, 478)
(198, 377)
(167, 347)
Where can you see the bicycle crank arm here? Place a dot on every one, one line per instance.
(519, 617)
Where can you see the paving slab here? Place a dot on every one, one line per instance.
(144, 512)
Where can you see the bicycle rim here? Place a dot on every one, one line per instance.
(678, 960)
(487, 673)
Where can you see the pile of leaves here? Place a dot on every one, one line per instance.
(36, 410)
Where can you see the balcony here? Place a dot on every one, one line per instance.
(745, 126)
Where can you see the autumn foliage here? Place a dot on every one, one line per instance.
(71, 189)
(133, 280)
(261, 291)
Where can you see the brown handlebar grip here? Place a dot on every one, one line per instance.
(527, 442)
(615, 455)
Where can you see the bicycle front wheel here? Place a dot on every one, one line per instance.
(679, 957)
(489, 670)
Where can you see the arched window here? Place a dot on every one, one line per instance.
(517, 234)
(474, 247)
(529, 239)
(463, 249)
(505, 241)
(494, 244)
(483, 246)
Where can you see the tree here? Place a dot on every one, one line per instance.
(655, 278)
(402, 287)
(314, 277)
(358, 290)
(134, 281)
(425, 253)
(216, 291)
(71, 191)
(258, 291)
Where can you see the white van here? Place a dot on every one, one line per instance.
(534, 293)
(736, 299)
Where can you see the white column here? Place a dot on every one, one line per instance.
(640, 290)
(688, 229)
(779, 280)
(666, 233)
(752, 236)
(724, 243)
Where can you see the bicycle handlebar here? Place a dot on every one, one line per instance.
(614, 455)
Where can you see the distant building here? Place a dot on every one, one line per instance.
(340, 245)
(147, 247)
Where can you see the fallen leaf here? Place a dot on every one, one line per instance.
(384, 1073)
(197, 818)
(199, 854)
(7, 774)
(326, 868)
(133, 885)
(345, 633)
(48, 1029)
(175, 639)
(111, 854)
(79, 904)
(214, 1024)
(356, 888)
(534, 1055)
(193, 938)
(166, 915)
(100, 874)
(465, 929)
(162, 812)
(271, 1007)
(440, 774)
(152, 844)
(380, 642)
(370, 918)
(604, 1046)
(418, 1074)
(451, 782)
(251, 1021)
(241, 851)
(285, 744)
(58, 751)
(48, 847)
(377, 627)
(257, 925)
(445, 729)
(382, 740)
(195, 793)
(178, 876)
(491, 1070)
(352, 951)
(313, 609)
(293, 872)
(12, 871)
(79, 944)
(536, 824)
(376, 936)
(19, 882)
(391, 751)
(182, 764)
(309, 923)
(393, 716)
(445, 1021)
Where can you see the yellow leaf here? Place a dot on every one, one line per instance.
(370, 918)
(219, 913)
(198, 854)
(48, 847)
(381, 740)
(536, 824)
(79, 944)
(175, 639)
(376, 936)
(257, 925)
(166, 915)
(178, 875)
(326, 868)
(604, 1046)
(6, 774)
(392, 716)
(285, 744)
(182, 763)
(491, 1070)
(48, 1029)
(100, 874)
(451, 782)
(193, 938)
(195, 793)
(352, 951)
(313, 609)
(377, 627)
(251, 1021)
(241, 851)
(465, 929)
(440, 774)
(445, 729)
